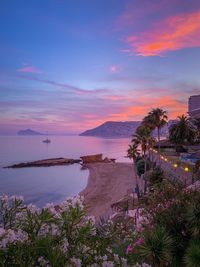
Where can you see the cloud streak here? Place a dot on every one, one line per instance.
(29, 69)
(69, 87)
(171, 34)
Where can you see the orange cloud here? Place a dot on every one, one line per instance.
(145, 104)
(174, 33)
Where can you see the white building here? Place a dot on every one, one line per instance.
(194, 106)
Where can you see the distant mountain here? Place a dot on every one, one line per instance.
(113, 129)
(121, 129)
(28, 132)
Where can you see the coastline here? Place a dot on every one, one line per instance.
(107, 183)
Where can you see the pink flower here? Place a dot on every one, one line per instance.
(129, 249)
(139, 242)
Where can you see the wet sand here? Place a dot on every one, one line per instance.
(107, 183)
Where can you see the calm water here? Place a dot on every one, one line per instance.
(51, 184)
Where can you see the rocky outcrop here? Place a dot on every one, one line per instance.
(95, 158)
(46, 163)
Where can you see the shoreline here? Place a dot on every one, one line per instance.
(107, 183)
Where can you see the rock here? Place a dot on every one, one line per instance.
(46, 163)
(92, 158)
(96, 158)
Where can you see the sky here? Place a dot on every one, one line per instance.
(68, 66)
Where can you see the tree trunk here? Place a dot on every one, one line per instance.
(159, 145)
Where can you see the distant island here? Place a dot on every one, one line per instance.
(119, 129)
(28, 132)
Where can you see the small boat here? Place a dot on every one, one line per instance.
(47, 141)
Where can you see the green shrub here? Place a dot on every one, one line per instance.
(156, 176)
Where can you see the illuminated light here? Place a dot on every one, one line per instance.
(162, 157)
(165, 159)
(175, 165)
(186, 169)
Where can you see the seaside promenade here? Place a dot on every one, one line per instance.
(177, 174)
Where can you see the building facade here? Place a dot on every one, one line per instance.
(194, 106)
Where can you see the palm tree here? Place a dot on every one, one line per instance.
(182, 132)
(133, 152)
(143, 138)
(156, 119)
(192, 257)
(157, 247)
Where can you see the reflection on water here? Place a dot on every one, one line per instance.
(51, 184)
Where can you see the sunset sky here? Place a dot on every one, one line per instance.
(70, 65)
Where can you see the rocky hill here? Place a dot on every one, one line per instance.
(121, 129)
(113, 129)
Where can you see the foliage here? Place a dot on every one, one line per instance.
(156, 119)
(182, 132)
(156, 176)
(133, 152)
(192, 258)
(54, 236)
(157, 247)
(165, 233)
(141, 165)
(177, 211)
(142, 138)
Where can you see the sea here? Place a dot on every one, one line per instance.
(41, 185)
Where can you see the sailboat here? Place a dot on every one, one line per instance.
(47, 141)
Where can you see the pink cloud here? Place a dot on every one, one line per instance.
(171, 34)
(114, 68)
(29, 69)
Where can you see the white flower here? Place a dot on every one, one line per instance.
(4, 198)
(11, 236)
(43, 262)
(76, 262)
(51, 208)
(108, 264)
(91, 219)
(65, 245)
(33, 208)
(104, 258)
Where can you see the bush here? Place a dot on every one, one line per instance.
(176, 209)
(55, 236)
(156, 176)
(141, 166)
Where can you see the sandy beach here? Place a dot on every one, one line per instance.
(107, 183)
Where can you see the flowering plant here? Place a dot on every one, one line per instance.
(53, 236)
